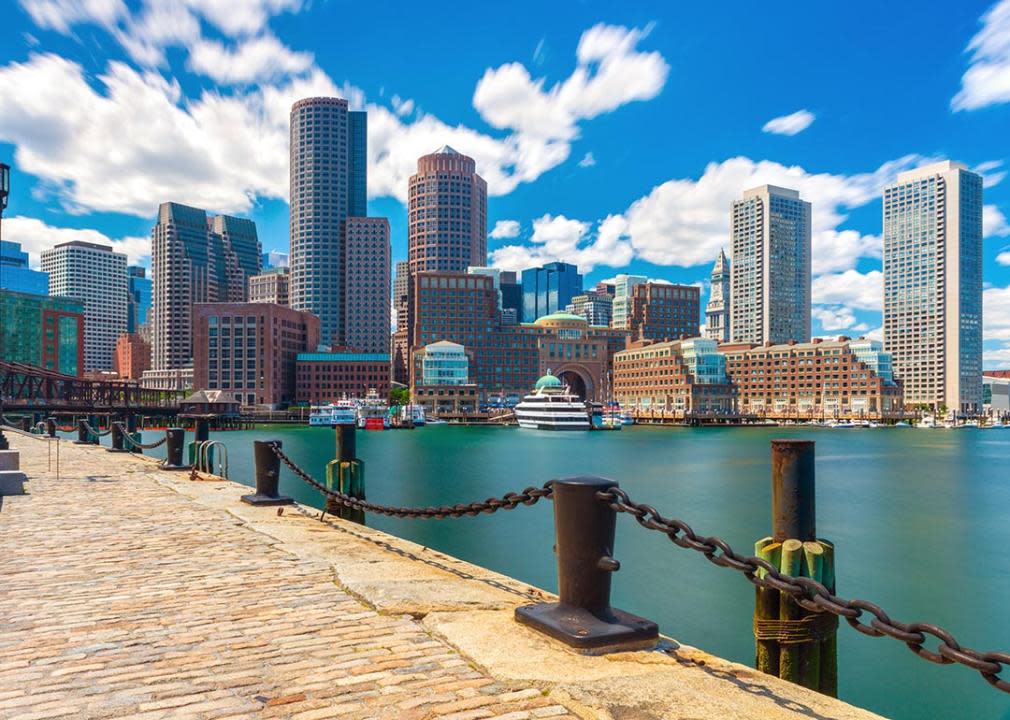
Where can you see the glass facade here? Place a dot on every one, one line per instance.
(445, 363)
(16, 274)
(140, 298)
(706, 366)
(46, 332)
(549, 289)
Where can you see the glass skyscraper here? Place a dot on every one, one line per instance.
(139, 301)
(16, 274)
(933, 285)
(549, 289)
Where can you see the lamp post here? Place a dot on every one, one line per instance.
(5, 187)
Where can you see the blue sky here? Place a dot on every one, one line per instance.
(611, 136)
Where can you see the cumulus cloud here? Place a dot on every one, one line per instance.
(852, 289)
(987, 79)
(587, 160)
(994, 222)
(556, 237)
(992, 172)
(790, 124)
(36, 236)
(505, 229)
(256, 59)
(1003, 258)
(837, 318)
(402, 107)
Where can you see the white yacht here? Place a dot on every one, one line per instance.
(412, 414)
(551, 406)
(344, 412)
(373, 412)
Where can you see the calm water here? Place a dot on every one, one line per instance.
(920, 520)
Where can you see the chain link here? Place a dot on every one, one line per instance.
(97, 433)
(509, 501)
(813, 596)
(142, 446)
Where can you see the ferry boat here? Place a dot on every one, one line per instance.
(551, 406)
(373, 413)
(343, 412)
(613, 418)
(413, 414)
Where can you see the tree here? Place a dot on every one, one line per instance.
(399, 396)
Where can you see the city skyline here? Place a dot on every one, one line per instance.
(586, 194)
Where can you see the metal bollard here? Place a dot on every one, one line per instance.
(131, 430)
(26, 423)
(347, 474)
(584, 536)
(201, 433)
(82, 433)
(268, 474)
(51, 427)
(793, 509)
(173, 449)
(117, 442)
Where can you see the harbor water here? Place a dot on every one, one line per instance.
(920, 520)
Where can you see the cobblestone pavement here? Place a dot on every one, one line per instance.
(120, 598)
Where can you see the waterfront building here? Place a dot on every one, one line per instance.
(770, 273)
(327, 186)
(624, 286)
(661, 311)
(682, 379)
(996, 395)
(366, 284)
(138, 302)
(816, 380)
(445, 363)
(177, 379)
(933, 285)
(95, 276)
(326, 377)
(605, 288)
(249, 350)
(511, 294)
(596, 308)
(549, 289)
(47, 332)
(270, 286)
(273, 259)
(444, 387)
(719, 298)
(194, 259)
(494, 274)
(132, 356)
(16, 274)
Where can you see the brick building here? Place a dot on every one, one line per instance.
(660, 311)
(47, 332)
(325, 377)
(270, 286)
(132, 356)
(249, 350)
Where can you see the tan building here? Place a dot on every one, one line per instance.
(662, 311)
(270, 286)
(132, 356)
(822, 379)
(682, 379)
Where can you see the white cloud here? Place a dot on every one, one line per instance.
(992, 172)
(36, 236)
(587, 160)
(852, 289)
(837, 250)
(402, 107)
(556, 237)
(994, 222)
(505, 229)
(61, 15)
(996, 315)
(790, 124)
(257, 59)
(835, 317)
(1003, 258)
(987, 79)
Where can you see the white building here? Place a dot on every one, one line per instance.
(933, 285)
(770, 274)
(95, 276)
(445, 363)
(624, 286)
(717, 309)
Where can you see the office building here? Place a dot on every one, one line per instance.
(606, 288)
(273, 259)
(366, 284)
(138, 301)
(933, 285)
(511, 294)
(597, 309)
(661, 311)
(132, 357)
(623, 288)
(270, 286)
(47, 332)
(444, 387)
(175, 379)
(717, 309)
(248, 350)
(194, 259)
(996, 395)
(401, 293)
(400, 339)
(95, 276)
(549, 289)
(16, 274)
(770, 272)
(494, 274)
(326, 377)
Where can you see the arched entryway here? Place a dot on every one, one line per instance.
(578, 381)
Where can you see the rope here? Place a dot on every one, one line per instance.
(815, 627)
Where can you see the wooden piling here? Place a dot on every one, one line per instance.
(810, 652)
(789, 654)
(766, 607)
(828, 682)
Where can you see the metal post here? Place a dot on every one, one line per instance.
(584, 541)
(131, 430)
(173, 449)
(82, 432)
(346, 474)
(93, 437)
(201, 433)
(51, 427)
(793, 510)
(117, 443)
(268, 473)
(26, 423)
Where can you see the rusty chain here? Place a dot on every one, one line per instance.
(813, 596)
(97, 433)
(142, 446)
(509, 501)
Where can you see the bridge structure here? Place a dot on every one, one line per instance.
(29, 389)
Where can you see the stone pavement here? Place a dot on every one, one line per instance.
(131, 592)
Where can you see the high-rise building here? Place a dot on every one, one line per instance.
(549, 289)
(661, 311)
(95, 276)
(192, 263)
(717, 309)
(596, 308)
(401, 292)
(16, 274)
(933, 285)
(366, 284)
(327, 185)
(270, 286)
(273, 259)
(47, 332)
(132, 357)
(138, 301)
(511, 294)
(624, 286)
(770, 273)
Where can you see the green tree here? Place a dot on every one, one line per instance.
(399, 396)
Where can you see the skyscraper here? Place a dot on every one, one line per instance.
(95, 276)
(770, 274)
(191, 263)
(624, 286)
(549, 289)
(366, 284)
(663, 311)
(138, 298)
(933, 284)
(327, 185)
(717, 309)
(16, 274)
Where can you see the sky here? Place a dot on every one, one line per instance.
(611, 135)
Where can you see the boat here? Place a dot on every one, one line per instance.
(613, 418)
(627, 418)
(843, 425)
(373, 413)
(343, 412)
(413, 414)
(552, 406)
(436, 421)
(902, 424)
(928, 422)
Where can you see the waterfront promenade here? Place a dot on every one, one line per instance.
(132, 592)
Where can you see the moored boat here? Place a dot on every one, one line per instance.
(552, 406)
(343, 412)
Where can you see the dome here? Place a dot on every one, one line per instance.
(560, 317)
(547, 380)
